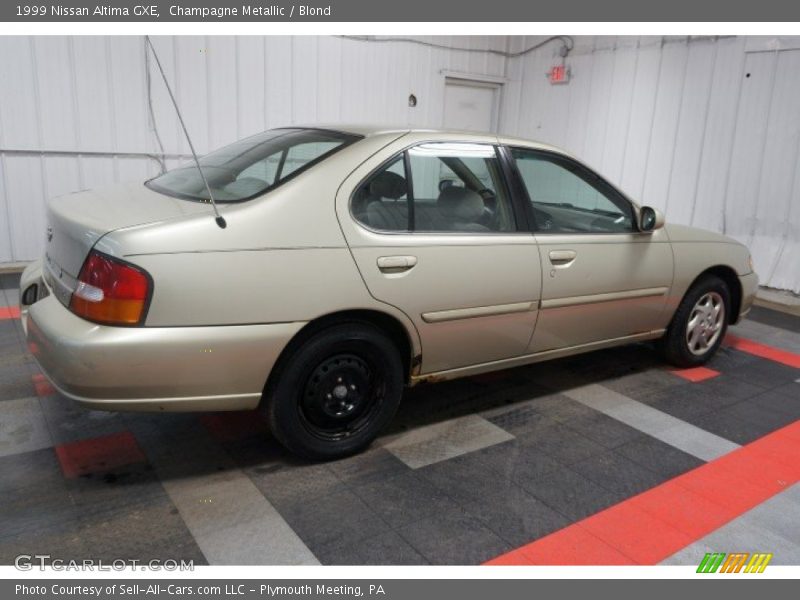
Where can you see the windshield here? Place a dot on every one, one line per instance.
(252, 166)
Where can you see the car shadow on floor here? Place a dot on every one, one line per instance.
(192, 442)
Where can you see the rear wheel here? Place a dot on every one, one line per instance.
(699, 324)
(335, 392)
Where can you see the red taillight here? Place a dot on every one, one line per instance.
(110, 291)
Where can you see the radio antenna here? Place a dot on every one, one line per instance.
(218, 217)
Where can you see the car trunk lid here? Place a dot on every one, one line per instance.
(76, 222)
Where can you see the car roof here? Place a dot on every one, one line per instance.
(370, 130)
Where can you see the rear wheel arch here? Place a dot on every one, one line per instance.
(390, 326)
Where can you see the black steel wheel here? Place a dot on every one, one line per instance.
(335, 391)
(340, 396)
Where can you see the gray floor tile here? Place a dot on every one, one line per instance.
(770, 334)
(742, 536)
(404, 499)
(372, 466)
(685, 407)
(516, 516)
(560, 442)
(762, 420)
(441, 441)
(765, 373)
(658, 456)
(643, 385)
(774, 318)
(656, 423)
(15, 378)
(384, 549)
(776, 401)
(728, 359)
(519, 420)
(454, 539)
(604, 430)
(617, 474)
(560, 407)
(731, 427)
(286, 484)
(41, 510)
(791, 390)
(229, 518)
(69, 422)
(475, 475)
(23, 427)
(724, 391)
(59, 543)
(97, 495)
(36, 470)
(572, 494)
(145, 530)
(340, 517)
(779, 515)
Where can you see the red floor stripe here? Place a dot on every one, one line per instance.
(696, 374)
(757, 349)
(99, 455)
(9, 312)
(653, 525)
(43, 387)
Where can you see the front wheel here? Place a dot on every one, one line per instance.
(333, 394)
(699, 323)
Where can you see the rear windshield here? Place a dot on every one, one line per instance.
(252, 166)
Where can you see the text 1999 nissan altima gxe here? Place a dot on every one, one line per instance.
(354, 262)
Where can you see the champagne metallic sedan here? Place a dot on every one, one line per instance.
(350, 262)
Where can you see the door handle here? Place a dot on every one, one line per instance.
(396, 264)
(562, 258)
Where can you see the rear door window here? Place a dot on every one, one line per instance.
(437, 187)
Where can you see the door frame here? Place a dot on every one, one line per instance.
(497, 84)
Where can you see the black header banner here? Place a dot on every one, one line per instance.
(399, 11)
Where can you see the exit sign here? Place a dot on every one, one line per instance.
(558, 74)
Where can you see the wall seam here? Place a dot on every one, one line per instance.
(677, 127)
(757, 202)
(652, 119)
(630, 113)
(39, 131)
(76, 114)
(733, 142)
(703, 138)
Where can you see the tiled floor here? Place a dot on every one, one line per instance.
(509, 464)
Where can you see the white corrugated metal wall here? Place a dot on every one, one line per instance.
(678, 124)
(74, 110)
(707, 130)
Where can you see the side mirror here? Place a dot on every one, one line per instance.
(650, 219)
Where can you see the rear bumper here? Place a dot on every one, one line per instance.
(153, 368)
(749, 288)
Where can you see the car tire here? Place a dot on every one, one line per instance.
(699, 324)
(335, 391)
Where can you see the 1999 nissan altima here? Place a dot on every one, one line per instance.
(350, 263)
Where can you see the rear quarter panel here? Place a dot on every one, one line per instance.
(281, 258)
